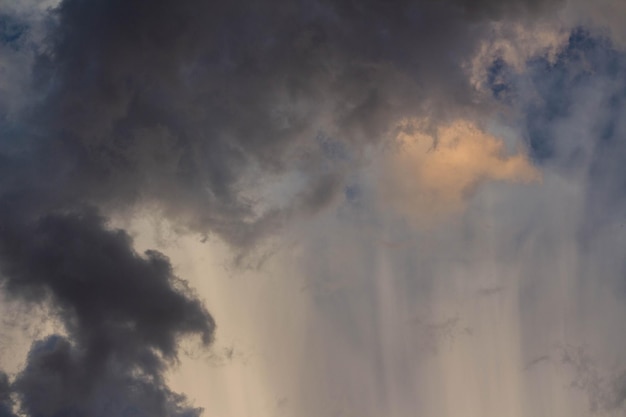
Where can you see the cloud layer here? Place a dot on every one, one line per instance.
(194, 111)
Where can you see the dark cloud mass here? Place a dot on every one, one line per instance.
(123, 315)
(172, 102)
(176, 104)
(53, 383)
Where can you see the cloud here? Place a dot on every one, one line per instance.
(173, 104)
(433, 174)
(53, 383)
(6, 402)
(124, 315)
(603, 18)
(109, 106)
(514, 45)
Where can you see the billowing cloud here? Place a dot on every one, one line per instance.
(178, 104)
(190, 110)
(124, 315)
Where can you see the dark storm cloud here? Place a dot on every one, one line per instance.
(53, 383)
(173, 103)
(169, 102)
(123, 313)
(103, 290)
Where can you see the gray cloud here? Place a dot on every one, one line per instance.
(53, 383)
(175, 105)
(123, 314)
(6, 402)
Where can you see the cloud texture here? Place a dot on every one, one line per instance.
(247, 121)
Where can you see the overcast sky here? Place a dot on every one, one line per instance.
(319, 208)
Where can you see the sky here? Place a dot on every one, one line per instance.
(312, 208)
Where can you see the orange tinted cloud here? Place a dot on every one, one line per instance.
(433, 174)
